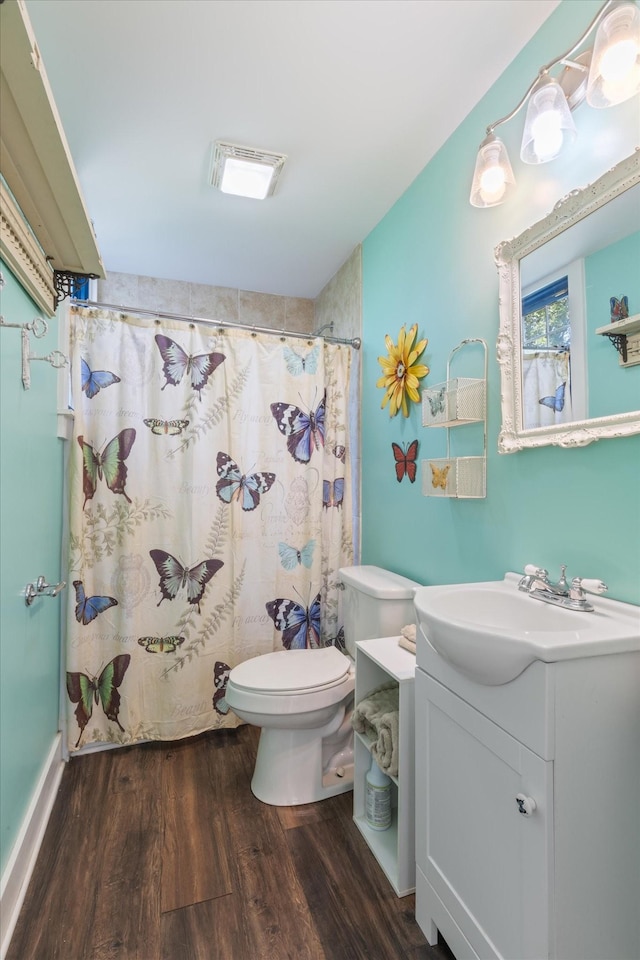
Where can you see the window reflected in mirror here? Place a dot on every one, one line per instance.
(563, 282)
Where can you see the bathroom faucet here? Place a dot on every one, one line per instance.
(572, 595)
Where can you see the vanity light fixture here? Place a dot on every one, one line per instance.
(606, 75)
(245, 171)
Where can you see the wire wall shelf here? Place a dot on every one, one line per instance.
(457, 401)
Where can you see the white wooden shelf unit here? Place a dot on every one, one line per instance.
(379, 661)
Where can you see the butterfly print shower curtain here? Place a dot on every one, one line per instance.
(200, 533)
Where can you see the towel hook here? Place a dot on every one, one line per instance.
(39, 328)
(42, 589)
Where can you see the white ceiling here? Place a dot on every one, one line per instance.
(359, 94)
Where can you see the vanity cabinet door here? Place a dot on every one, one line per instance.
(485, 862)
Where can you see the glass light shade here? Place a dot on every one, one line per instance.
(549, 125)
(615, 66)
(246, 179)
(493, 178)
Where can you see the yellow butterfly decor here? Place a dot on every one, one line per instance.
(439, 476)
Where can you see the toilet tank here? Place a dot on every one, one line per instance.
(375, 603)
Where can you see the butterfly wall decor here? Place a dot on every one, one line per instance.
(233, 485)
(221, 673)
(619, 308)
(108, 465)
(166, 428)
(84, 690)
(300, 626)
(304, 432)
(88, 608)
(298, 364)
(556, 402)
(95, 380)
(174, 577)
(177, 363)
(160, 644)
(405, 460)
(439, 476)
(290, 557)
(333, 492)
(436, 400)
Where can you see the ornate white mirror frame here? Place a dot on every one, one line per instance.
(574, 207)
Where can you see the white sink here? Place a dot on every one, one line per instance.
(492, 631)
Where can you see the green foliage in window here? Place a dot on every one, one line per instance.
(548, 328)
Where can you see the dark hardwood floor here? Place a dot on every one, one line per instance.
(161, 852)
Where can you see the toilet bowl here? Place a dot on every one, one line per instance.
(302, 699)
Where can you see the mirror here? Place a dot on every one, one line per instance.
(560, 281)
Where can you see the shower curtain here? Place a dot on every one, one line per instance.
(209, 513)
(546, 377)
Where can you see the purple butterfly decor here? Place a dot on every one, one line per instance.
(333, 492)
(174, 577)
(177, 363)
(300, 626)
(304, 431)
(233, 485)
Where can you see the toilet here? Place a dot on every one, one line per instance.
(302, 699)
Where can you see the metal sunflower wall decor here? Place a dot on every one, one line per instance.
(401, 374)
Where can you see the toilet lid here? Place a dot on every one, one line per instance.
(291, 671)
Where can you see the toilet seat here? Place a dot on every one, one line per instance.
(288, 672)
(289, 682)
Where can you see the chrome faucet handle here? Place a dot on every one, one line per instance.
(531, 575)
(562, 582)
(588, 586)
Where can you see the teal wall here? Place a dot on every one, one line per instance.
(612, 272)
(30, 519)
(430, 261)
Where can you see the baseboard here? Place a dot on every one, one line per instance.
(17, 873)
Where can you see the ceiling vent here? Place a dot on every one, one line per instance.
(245, 171)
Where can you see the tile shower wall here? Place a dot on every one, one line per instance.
(212, 303)
(340, 303)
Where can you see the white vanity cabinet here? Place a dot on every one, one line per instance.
(380, 661)
(562, 741)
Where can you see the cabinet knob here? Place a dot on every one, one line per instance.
(526, 805)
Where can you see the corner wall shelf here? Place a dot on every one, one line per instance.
(455, 402)
(625, 336)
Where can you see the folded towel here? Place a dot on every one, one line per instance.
(385, 749)
(409, 645)
(376, 716)
(409, 632)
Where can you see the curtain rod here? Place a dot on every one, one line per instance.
(355, 343)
